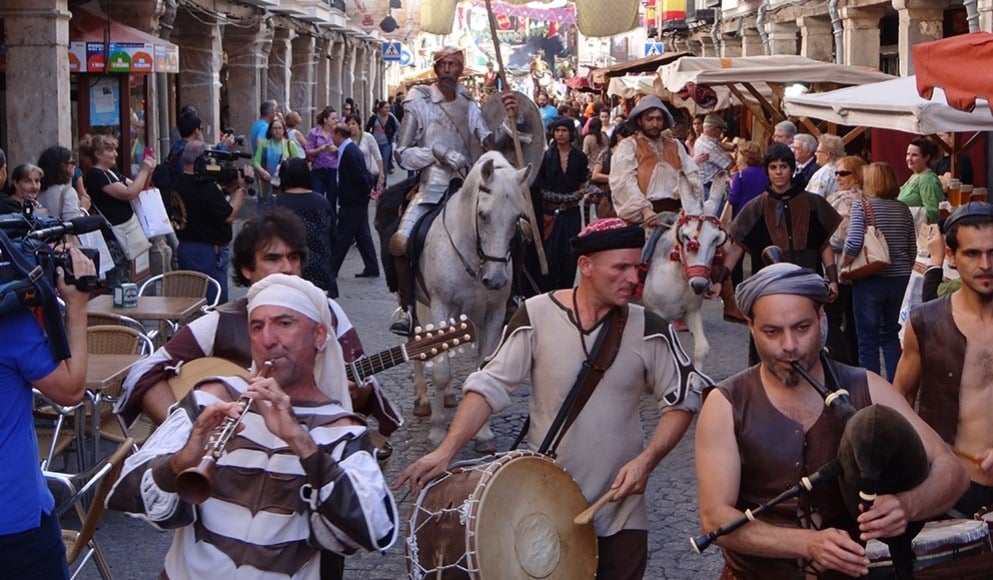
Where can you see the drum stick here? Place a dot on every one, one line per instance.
(967, 456)
(587, 515)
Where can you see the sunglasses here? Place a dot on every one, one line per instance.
(842, 173)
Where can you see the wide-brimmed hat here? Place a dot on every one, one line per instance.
(647, 103)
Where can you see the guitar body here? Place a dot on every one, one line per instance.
(196, 370)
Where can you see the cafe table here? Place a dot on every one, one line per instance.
(171, 310)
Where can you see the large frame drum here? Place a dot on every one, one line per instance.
(506, 518)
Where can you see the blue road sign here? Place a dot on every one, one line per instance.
(391, 51)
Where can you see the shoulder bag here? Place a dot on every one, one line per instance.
(875, 254)
(128, 233)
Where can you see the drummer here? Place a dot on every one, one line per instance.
(950, 371)
(549, 338)
(749, 445)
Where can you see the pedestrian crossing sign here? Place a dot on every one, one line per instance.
(654, 48)
(391, 51)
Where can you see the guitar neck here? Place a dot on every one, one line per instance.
(366, 366)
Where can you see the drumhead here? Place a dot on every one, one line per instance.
(523, 525)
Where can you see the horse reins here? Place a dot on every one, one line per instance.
(480, 252)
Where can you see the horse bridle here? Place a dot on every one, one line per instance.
(480, 253)
(678, 253)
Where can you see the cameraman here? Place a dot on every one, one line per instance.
(203, 242)
(30, 536)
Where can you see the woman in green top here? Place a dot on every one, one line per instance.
(272, 151)
(923, 189)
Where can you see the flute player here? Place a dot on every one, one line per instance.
(765, 428)
(300, 477)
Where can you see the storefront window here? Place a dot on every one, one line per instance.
(138, 128)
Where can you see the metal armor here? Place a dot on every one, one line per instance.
(441, 139)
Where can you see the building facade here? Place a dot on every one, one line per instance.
(232, 56)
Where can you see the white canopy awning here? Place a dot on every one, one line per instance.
(892, 104)
(759, 70)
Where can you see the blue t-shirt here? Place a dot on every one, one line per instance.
(23, 493)
(257, 133)
(548, 112)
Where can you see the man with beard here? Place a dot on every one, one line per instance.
(442, 128)
(950, 373)
(651, 173)
(766, 428)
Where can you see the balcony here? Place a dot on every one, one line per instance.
(267, 4)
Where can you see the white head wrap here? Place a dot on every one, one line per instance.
(300, 295)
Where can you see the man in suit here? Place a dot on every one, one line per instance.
(354, 185)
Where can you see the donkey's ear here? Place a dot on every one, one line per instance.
(487, 171)
(522, 174)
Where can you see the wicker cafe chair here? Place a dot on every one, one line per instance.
(108, 339)
(184, 283)
(112, 319)
(103, 475)
(55, 431)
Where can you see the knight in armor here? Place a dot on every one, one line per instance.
(442, 134)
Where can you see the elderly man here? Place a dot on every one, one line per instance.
(709, 153)
(804, 147)
(946, 353)
(652, 173)
(299, 478)
(765, 428)
(783, 132)
(442, 128)
(550, 338)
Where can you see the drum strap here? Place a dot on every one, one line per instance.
(601, 356)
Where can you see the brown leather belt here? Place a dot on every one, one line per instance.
(661, 205)
(550, 208)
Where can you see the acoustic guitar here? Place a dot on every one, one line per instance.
(427, 343)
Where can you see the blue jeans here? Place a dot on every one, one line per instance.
(387, 152)
(211, 260)
(36, 554)
(876, 301)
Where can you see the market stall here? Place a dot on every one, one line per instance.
(759, 82)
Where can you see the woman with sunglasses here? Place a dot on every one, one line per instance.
(876, 299)
(58, 195)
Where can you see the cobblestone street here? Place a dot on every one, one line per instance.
(136, 550)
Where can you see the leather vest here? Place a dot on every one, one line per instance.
(791, 235)
(648, 158)
(942, 348)
(775, 454)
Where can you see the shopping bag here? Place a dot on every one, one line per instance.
(151, 212)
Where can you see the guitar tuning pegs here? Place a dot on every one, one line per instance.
(456, 341)
(418, 330)
(434, 351)
(451, 354)
(467, 338)
(463, 317)
(429, 327)
(443, 324)
(444, 346)
(422, 356)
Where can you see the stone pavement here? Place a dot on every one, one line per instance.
(136, 550)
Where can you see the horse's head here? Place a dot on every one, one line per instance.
(498, 190)
(698, 238)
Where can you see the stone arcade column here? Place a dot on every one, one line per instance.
(37, 108)
(751, 42)
(348, 69)
(703, 45)
(302, 77)
(199, 82)
(278, 71)
(782, 37)
(360, 91)
(986, 15)
(248, 56)
(730, 45)
(336, 93)
(917, 24)
(323, 77)
(861, 35)
(817, 38)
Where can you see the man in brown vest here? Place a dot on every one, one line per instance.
(765, 428)
(947, 352)
(650, 172)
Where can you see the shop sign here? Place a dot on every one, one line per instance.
(77, 57)
(166, 58)
(96, 58)
(130, 57)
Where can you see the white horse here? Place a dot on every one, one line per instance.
(679, 273)
(466, 269)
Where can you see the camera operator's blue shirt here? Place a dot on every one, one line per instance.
(24, 358)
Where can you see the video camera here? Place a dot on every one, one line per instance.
(28, 267)
(219, 167)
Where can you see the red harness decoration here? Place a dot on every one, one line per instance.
(678, 253)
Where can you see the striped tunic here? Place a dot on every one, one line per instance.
(269, 511)
(894, 220)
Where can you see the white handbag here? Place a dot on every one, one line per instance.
(151, 212)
